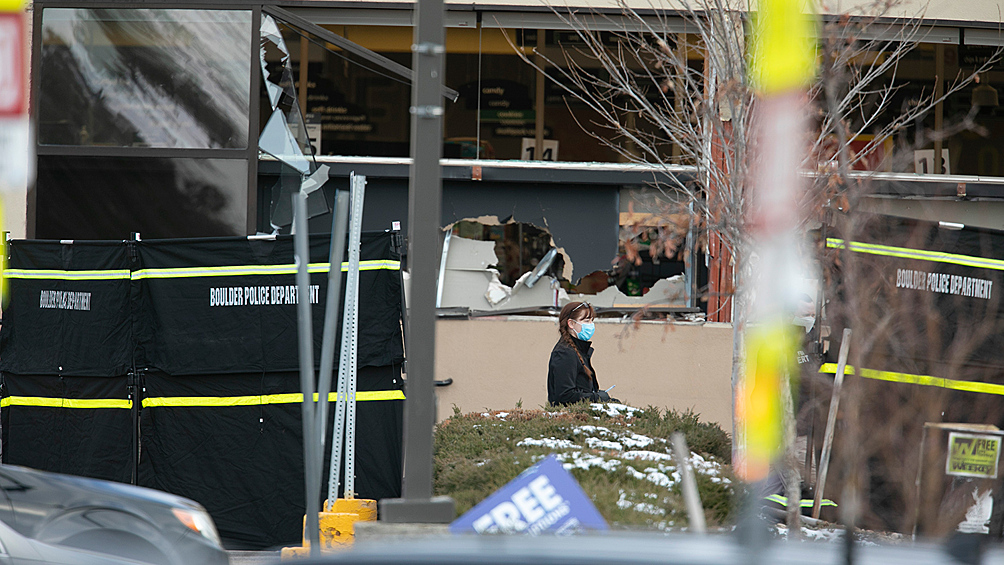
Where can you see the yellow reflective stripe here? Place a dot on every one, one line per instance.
(804, 503)
(257, 400)
(49, 402)
(57, 274)
(925, 380)
(190, 272)
(973, 386)
(257, 270)
(918, 254)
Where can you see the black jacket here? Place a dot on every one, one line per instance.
(567, 381)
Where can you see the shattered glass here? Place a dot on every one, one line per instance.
(284, 135)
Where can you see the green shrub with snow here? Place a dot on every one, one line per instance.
(620, 455)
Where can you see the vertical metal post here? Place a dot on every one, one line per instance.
(917, 483)
(424, 202)
(253, 215)
(538, 125)
(311, 454)
(345, 407)
(339, 223)
(939, 107)
(831, 421)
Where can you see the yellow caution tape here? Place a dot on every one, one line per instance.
(770, 354)
(11, 5)
(783, 51)
(924, 380)
(188, 401)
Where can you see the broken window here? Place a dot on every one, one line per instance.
(515, 266)
(284, 133)
(519, 246)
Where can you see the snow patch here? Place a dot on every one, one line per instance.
(548, 442)
(647, 455)
(597, 443)
(614, 409)
(585, 461)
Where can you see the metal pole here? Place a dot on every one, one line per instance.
(345, 411)
(939, 107)
(339, 223)
(831, 422)
(311, 462)
(692, 497)
(539, 94)
(920, 474)
(424, 202)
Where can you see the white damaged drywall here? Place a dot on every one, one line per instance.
(470, 280)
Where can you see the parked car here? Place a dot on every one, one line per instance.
(16, 549)
(109, 518)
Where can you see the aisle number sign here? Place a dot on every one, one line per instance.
(973, 455)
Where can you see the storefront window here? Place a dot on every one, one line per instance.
(109, 198)
(145, 78)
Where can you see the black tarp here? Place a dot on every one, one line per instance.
(91, 442)
(933, 297)
(214, 371)
(923, 301)
(242, 457)
(234, 319)
(72, 326)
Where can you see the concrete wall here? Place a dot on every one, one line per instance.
(495, 362)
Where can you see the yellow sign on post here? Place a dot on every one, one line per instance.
(973, 455)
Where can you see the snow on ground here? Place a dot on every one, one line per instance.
(613, 409)
(830, 534)
(616, 451)
(597, 443)
(550, 443)
(645, 507)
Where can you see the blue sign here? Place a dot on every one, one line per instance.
(544, 498)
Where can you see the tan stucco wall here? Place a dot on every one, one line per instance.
(496, 362)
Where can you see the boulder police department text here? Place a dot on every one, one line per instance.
(64, 300)
(944, 283)
(259, 295)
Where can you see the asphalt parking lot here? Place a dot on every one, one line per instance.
(253, 557)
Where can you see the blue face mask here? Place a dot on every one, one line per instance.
(586, 331)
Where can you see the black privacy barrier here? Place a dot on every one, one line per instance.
(248, 446)
(75, 425)
(229, 305)
(173, 364)
(933, 304)
(74, 303)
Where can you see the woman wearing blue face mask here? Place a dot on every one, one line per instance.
(570, 374)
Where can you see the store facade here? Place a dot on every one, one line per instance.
(155, 118)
